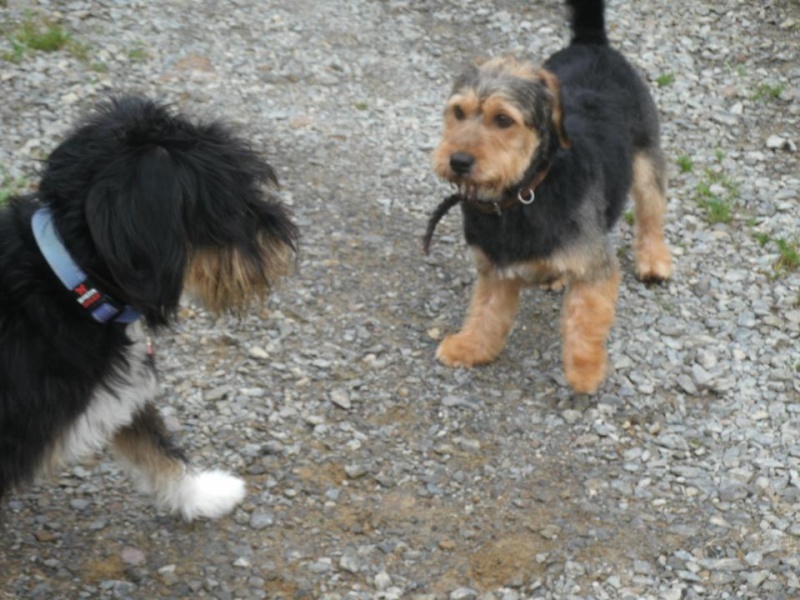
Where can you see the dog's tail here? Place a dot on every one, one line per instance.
(587, 21)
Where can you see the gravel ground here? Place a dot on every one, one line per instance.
(373, 472)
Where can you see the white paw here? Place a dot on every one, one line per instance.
(209, 494)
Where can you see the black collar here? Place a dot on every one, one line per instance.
(522, 193)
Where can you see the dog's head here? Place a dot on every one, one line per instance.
(149, 203)
(499, 117)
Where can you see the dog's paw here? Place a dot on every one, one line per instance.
(584, 376)
(463, 350)
(209, 494)
(653, 263)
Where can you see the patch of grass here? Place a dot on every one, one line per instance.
(9, 186)
(42, 35)
(138, 54)
(718, 211)
(789, 259)
(685, 163)
(719, 154)
(79, 50)
(762, 238)
(100, 67)
(628, 216)
(766, 91)
(361, 105)
(15, 54)
(738, 69)
(665, 79)
(788, 254)
(717, 195)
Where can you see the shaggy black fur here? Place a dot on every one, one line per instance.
(133, 190)
(608, 116)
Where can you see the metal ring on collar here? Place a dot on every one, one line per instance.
(526, 199)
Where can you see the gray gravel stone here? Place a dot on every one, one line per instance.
(382, 580)
(261, 520)
(132, 556)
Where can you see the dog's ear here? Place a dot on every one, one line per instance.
(134, 214)
(553, 85)
(467, 77)
(242, 237)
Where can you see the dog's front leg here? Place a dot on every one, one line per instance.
(491, 313)
(586, 319)
(162, 470)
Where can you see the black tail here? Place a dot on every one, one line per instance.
(587, 21)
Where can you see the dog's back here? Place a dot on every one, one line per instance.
(605, 99)
(592, 72)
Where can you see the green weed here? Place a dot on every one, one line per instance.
(628, 216)
(665, 79)
(717, 200)
(789, 259)
(42, 35)
(762, 238)
(766, 91)
(685, 163)
(9, 186)
(138, 54)
(79, 50)
(15, 54)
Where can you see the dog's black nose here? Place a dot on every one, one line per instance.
(461, 162)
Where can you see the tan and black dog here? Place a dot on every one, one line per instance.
(544, 159)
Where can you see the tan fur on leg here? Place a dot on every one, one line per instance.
(483, 335)
(586, 319)
(146, 448)
(653, 261)
(161, 469)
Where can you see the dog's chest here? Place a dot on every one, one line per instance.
(113, 404)
(516, 235)
(531, 272)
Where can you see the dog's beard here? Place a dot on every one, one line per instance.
(225, 280)
(474, 192)
(466, 189)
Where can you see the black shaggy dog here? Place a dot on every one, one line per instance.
(544, 159)
(135, 206)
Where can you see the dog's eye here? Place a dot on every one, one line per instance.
(503, 121)
(458, 112)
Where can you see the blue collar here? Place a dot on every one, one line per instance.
(100, 306)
